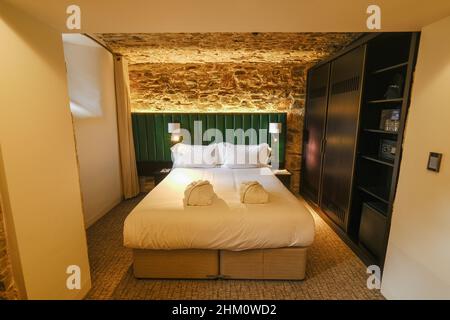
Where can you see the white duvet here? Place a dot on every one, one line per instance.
(161, 221)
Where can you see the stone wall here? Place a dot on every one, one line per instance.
(226, 87)
(226, 72)
(216, 87)
(7, 288)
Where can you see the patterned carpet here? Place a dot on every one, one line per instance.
(333, 271)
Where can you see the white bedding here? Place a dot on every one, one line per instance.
(161, 221)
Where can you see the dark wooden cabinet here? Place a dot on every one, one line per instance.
(314, 131)
(388, 77)
(341, 133)
(353, 137)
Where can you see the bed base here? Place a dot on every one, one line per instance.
(267, 264)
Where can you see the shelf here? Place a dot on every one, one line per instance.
(380, 207)
(381, 131)
(375, 192)
(379, 161)
(396, 66)
(385, 101)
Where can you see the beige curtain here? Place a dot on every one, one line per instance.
(130, 182)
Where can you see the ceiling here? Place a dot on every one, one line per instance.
(301, 48)
(103, 16)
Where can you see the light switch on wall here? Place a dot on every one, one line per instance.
(434, 161)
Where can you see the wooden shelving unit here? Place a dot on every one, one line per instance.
(396, 66)
(376, 193)
(380, 131)
(389, 57)
(385, 100)
(376, 160)
(352, 184)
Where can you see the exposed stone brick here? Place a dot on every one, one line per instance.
(304, 48)
(226, 72)
(226, 87)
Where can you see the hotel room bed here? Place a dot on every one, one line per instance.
(226, 239)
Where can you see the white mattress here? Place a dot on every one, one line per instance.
(161, 221)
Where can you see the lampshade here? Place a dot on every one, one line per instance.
(274, 127)
(175, 137)
(173, 127)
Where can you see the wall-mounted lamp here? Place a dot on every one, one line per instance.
(173, 127)
(175, 137)
(275, 128)
(174, 130)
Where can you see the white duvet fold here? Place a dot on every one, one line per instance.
(162, 221)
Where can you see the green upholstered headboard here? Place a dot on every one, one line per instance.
(152, 140)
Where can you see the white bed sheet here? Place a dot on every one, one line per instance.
(161, 221)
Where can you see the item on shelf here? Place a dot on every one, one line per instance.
(388, 149)
(395, 88)
(390, 120)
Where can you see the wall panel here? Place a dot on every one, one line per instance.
(152, 141)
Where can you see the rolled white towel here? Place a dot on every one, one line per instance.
(199, 193)
(252, 192)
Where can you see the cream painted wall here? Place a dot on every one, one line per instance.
(104, 16)
(418, 258)
(39, 160)
(90, 70)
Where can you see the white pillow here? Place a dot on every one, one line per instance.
(194, 156)
(221, 149)
(246, 156)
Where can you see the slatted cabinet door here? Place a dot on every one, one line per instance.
(341, 134)
(314, 131)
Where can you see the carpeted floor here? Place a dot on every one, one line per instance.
(333, 271)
